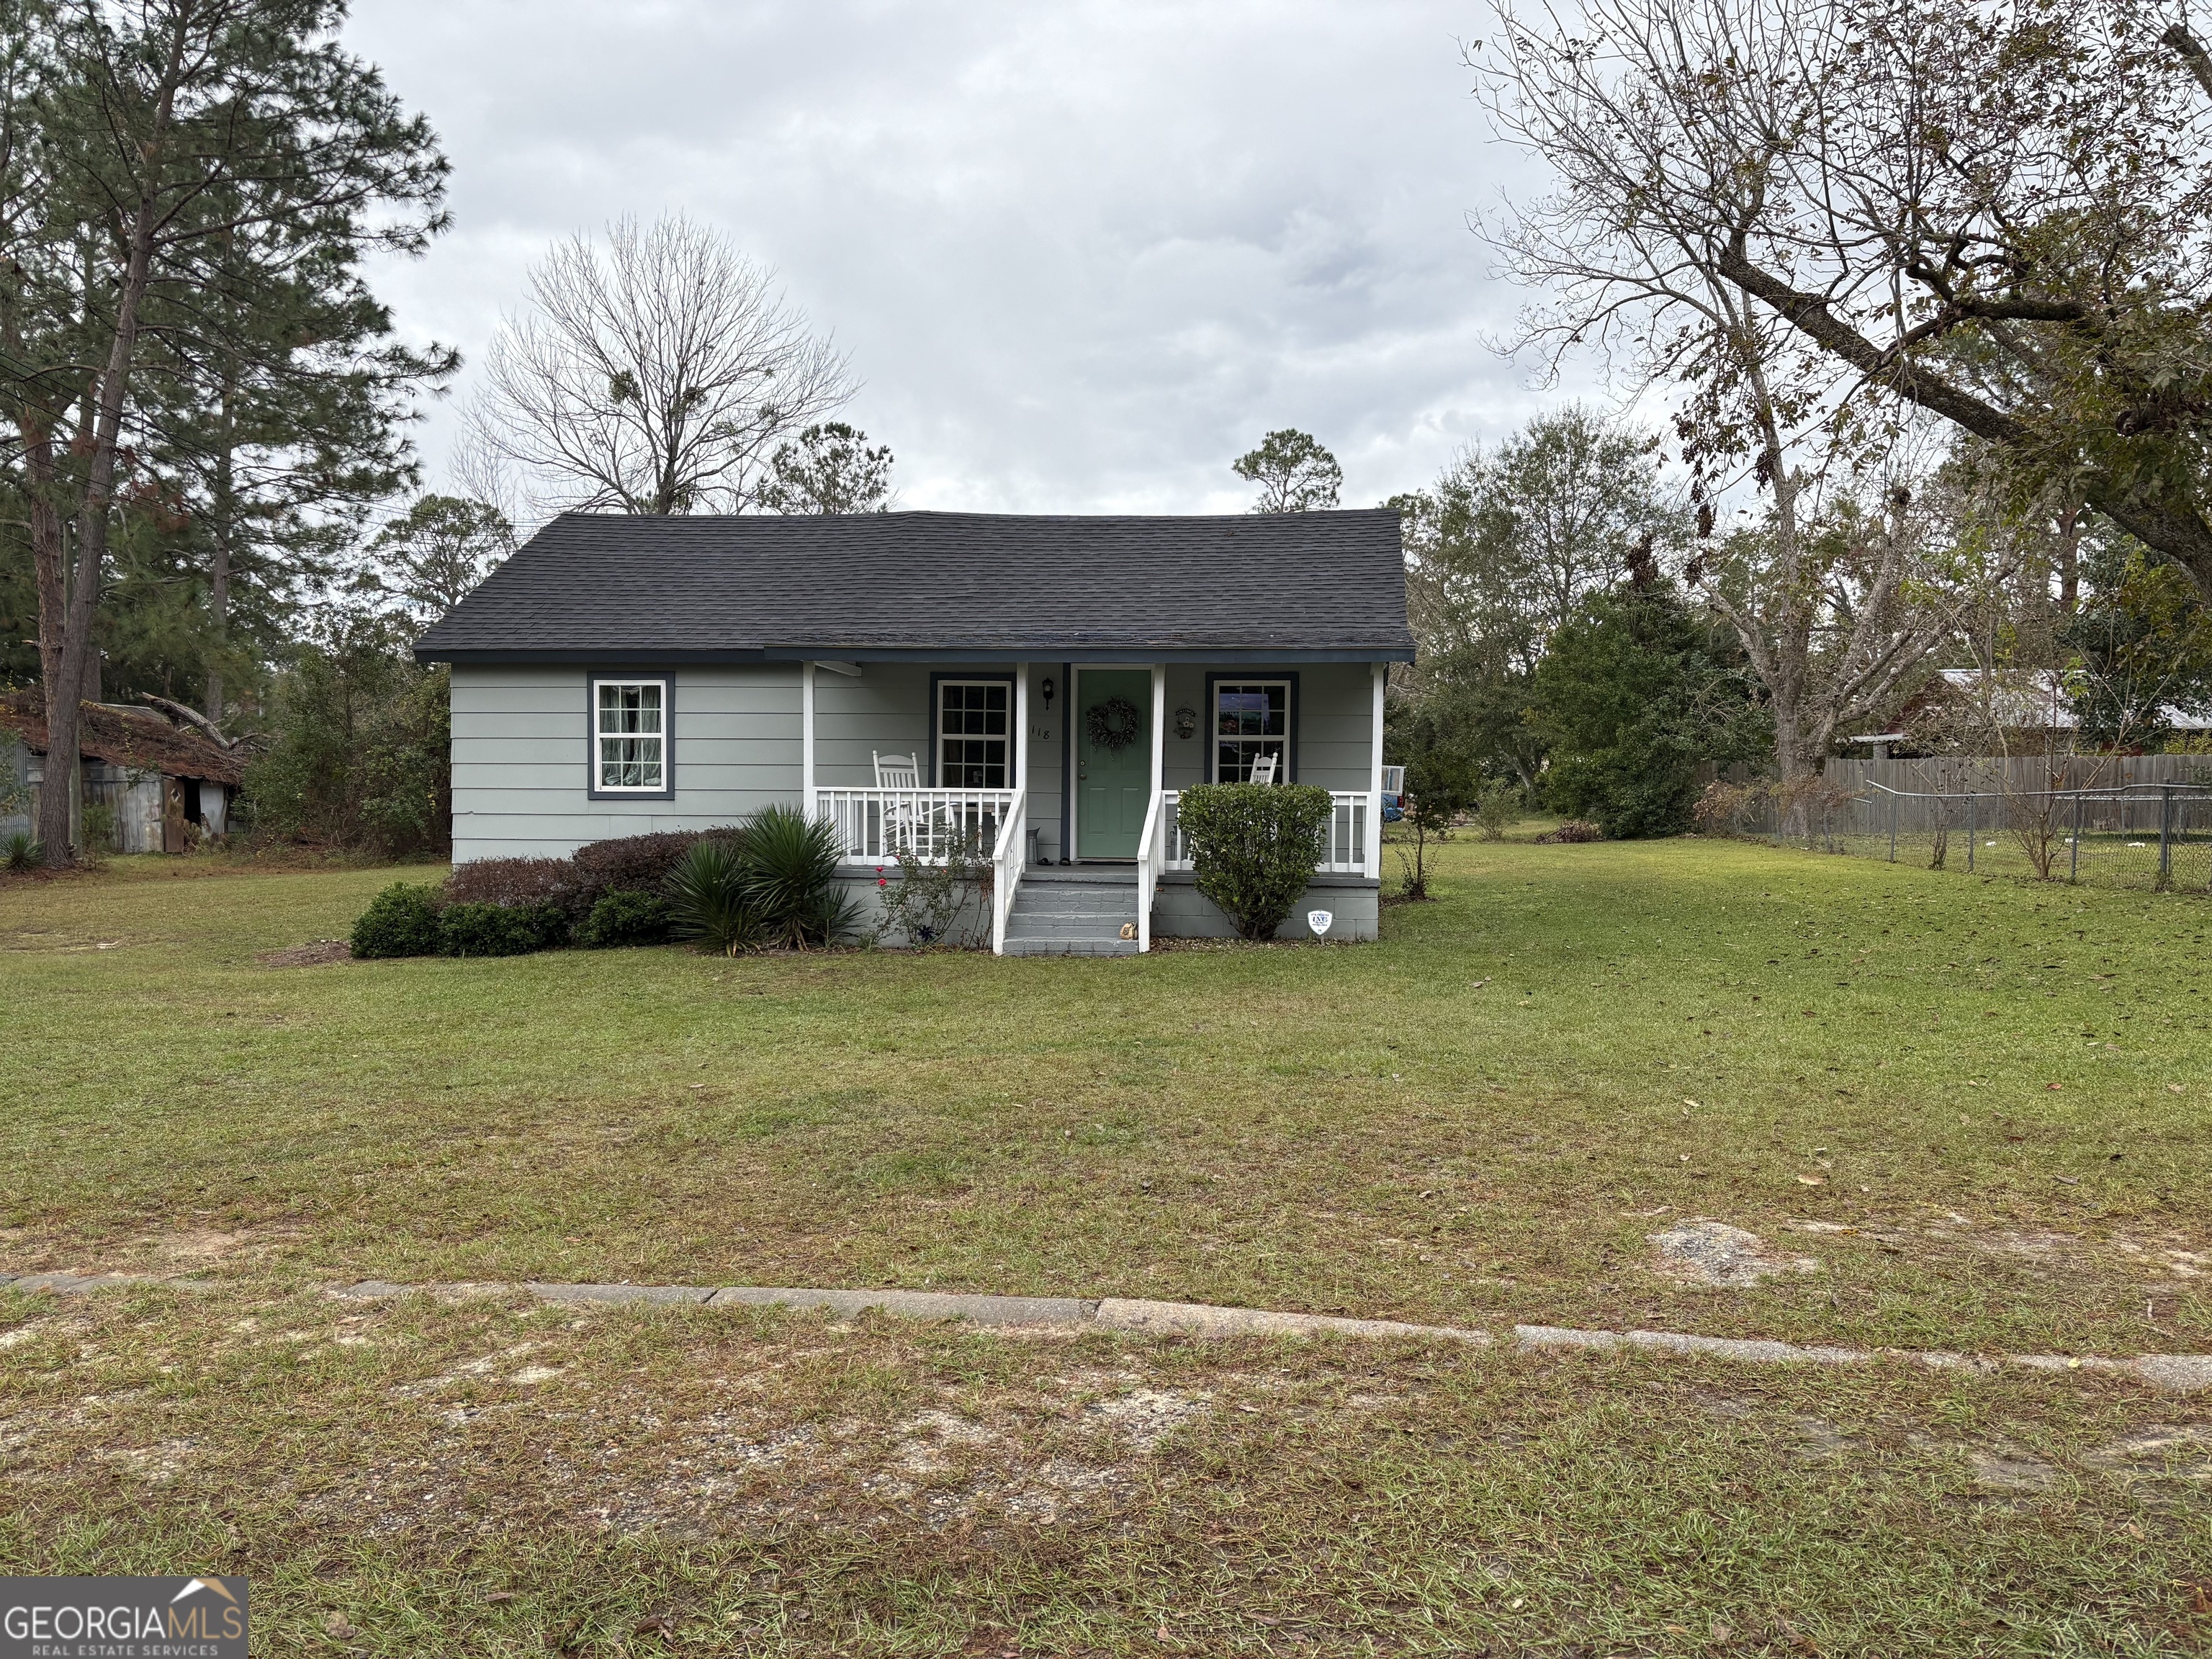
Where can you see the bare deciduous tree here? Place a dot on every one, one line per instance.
(654, 374)
(1663, 122)
(1837, 612)
(2000, 215)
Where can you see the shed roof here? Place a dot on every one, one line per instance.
(136, 737)
(632, 589)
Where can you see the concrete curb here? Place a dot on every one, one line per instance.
(1197, 1319)
(2180, 1373)
(918, 1304)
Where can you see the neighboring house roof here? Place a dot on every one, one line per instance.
(2036, 700)
(136, 737)
(632, 589)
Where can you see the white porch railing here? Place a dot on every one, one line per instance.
(872, 825)
(1352, 849)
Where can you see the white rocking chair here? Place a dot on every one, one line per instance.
(902, 820)
(1263, 769)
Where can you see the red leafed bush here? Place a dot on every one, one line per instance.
(1575, 830)
(634, 864)
(510, 883)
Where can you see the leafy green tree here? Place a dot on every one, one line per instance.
(1505, 549)
(1636, 691)
(830, 468)
(164, 168)
(1294, 472)
(432, 555)
(360, 744)
(2140, 647)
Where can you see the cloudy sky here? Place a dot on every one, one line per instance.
(1082, 254)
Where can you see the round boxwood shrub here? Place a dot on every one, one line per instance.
(1253, 846)
(400, 921)
(625, 919)
(500, 930)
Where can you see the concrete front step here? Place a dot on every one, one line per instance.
(1070, 945)
(1085, 894)
(1082, 917)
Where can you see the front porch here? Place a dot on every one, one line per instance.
(1066, 777)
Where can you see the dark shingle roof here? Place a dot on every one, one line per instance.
(609, 587)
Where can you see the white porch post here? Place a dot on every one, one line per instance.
(806, 735)
(1375, 785)
(1159, 727)
(1020, 780)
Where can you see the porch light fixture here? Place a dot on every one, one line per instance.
(1047, 689)
(1186, 721)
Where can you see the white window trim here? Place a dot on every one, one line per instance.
(937, 730)
(667, 784)
(1213, 722)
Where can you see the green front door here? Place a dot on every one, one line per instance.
(1113, 784)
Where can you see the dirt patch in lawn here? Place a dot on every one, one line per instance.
(1713, 1253)
(313, 954)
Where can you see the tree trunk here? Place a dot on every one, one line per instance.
(101, 436)
(65, 711)
(226, 520)
(2069, 560)
(45, 545)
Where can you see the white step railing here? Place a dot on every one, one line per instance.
(1151, 846)
(1349, 851)
(1008, 858)
(873, 825)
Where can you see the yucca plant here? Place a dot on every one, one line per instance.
(20, 852)
(772, 881)
(791, 864)
(710, 899)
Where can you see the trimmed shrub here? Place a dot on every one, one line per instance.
(400, 921)
(623, 918)
(500, 930)
(511, 882)
(633, 864)
(1254, 845)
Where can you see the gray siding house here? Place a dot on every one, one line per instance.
(1048, 685)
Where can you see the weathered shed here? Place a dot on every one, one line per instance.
(162, 779)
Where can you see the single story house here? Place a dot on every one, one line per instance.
(165, 783)
(1049, 685)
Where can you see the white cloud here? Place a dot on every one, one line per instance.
(1082, 254)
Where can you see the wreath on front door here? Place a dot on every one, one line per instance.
(1113, 724)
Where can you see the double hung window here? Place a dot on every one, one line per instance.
(630, 737)
(973, 733)
(1251, 722)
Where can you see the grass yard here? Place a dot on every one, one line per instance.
(1976, 1108)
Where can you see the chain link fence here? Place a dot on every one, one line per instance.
(2153, 836)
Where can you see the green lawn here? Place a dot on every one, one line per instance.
(1979, 1106)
